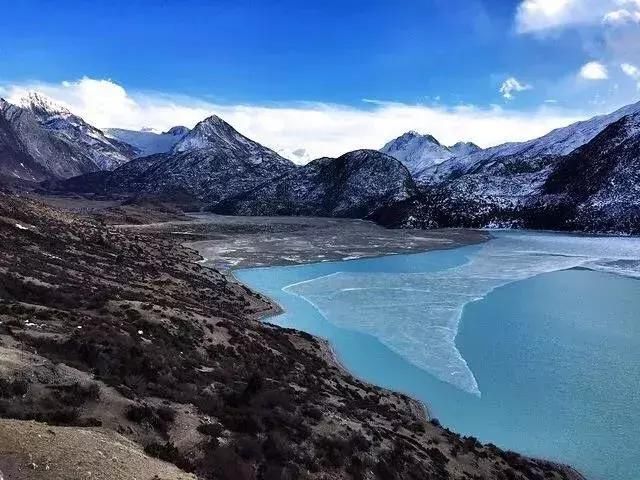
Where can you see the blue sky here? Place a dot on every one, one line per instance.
(448, 55)
(332, 51)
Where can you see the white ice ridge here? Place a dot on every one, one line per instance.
(417, 315)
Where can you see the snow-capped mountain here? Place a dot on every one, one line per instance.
(82, 138)
(211, 162)
(42, 107)
(354, 185)
(148, 142)
(215, 136)
(417, 152)
(595, 187)
(558, 142)
(20, 136)
(42, 140)
(584, 176)
(462, 149)
(37, 146)
(599, 183)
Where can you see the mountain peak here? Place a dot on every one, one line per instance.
(416, 151)
(213, 118)
(52, 142)
(464, 148)
(41, 105)
(4, 105)
(464, 144)
(177, 131)
(214, 124)
(413, 134)
(212, 132)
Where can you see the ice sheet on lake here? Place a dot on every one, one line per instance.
(417, 314)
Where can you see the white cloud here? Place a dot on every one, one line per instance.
(594, 71)
(608, 30)
(541, 15)
(511, 85)
(622, 16)
(320, 129)
(631, 71)
(536, 15)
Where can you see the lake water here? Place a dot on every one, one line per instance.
(530, 341)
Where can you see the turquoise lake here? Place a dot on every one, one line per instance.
(530, 341)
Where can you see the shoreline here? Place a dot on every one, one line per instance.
(175, 304)
(252, 242)
(329, 354)
(416, 408)
(419, 408)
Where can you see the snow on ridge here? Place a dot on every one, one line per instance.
(560, 141)
(417, 152)
(61, 142)
(40, 103)
(148, 142)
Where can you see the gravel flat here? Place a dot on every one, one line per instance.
(228, 242)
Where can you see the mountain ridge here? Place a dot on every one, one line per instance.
(417, 152)
(106, 153)
(558, 142)
(42, 140)
(213, 164)
(594, 188)
(352, 185)
(209, 163)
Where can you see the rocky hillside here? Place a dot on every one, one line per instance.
(594, 188)
(16, 162)
(353, 185)
(121, 181)
(599, 184)
(104, 328)
(41, 140)
(31, 450)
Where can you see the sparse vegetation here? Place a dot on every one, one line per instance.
(183, 347)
